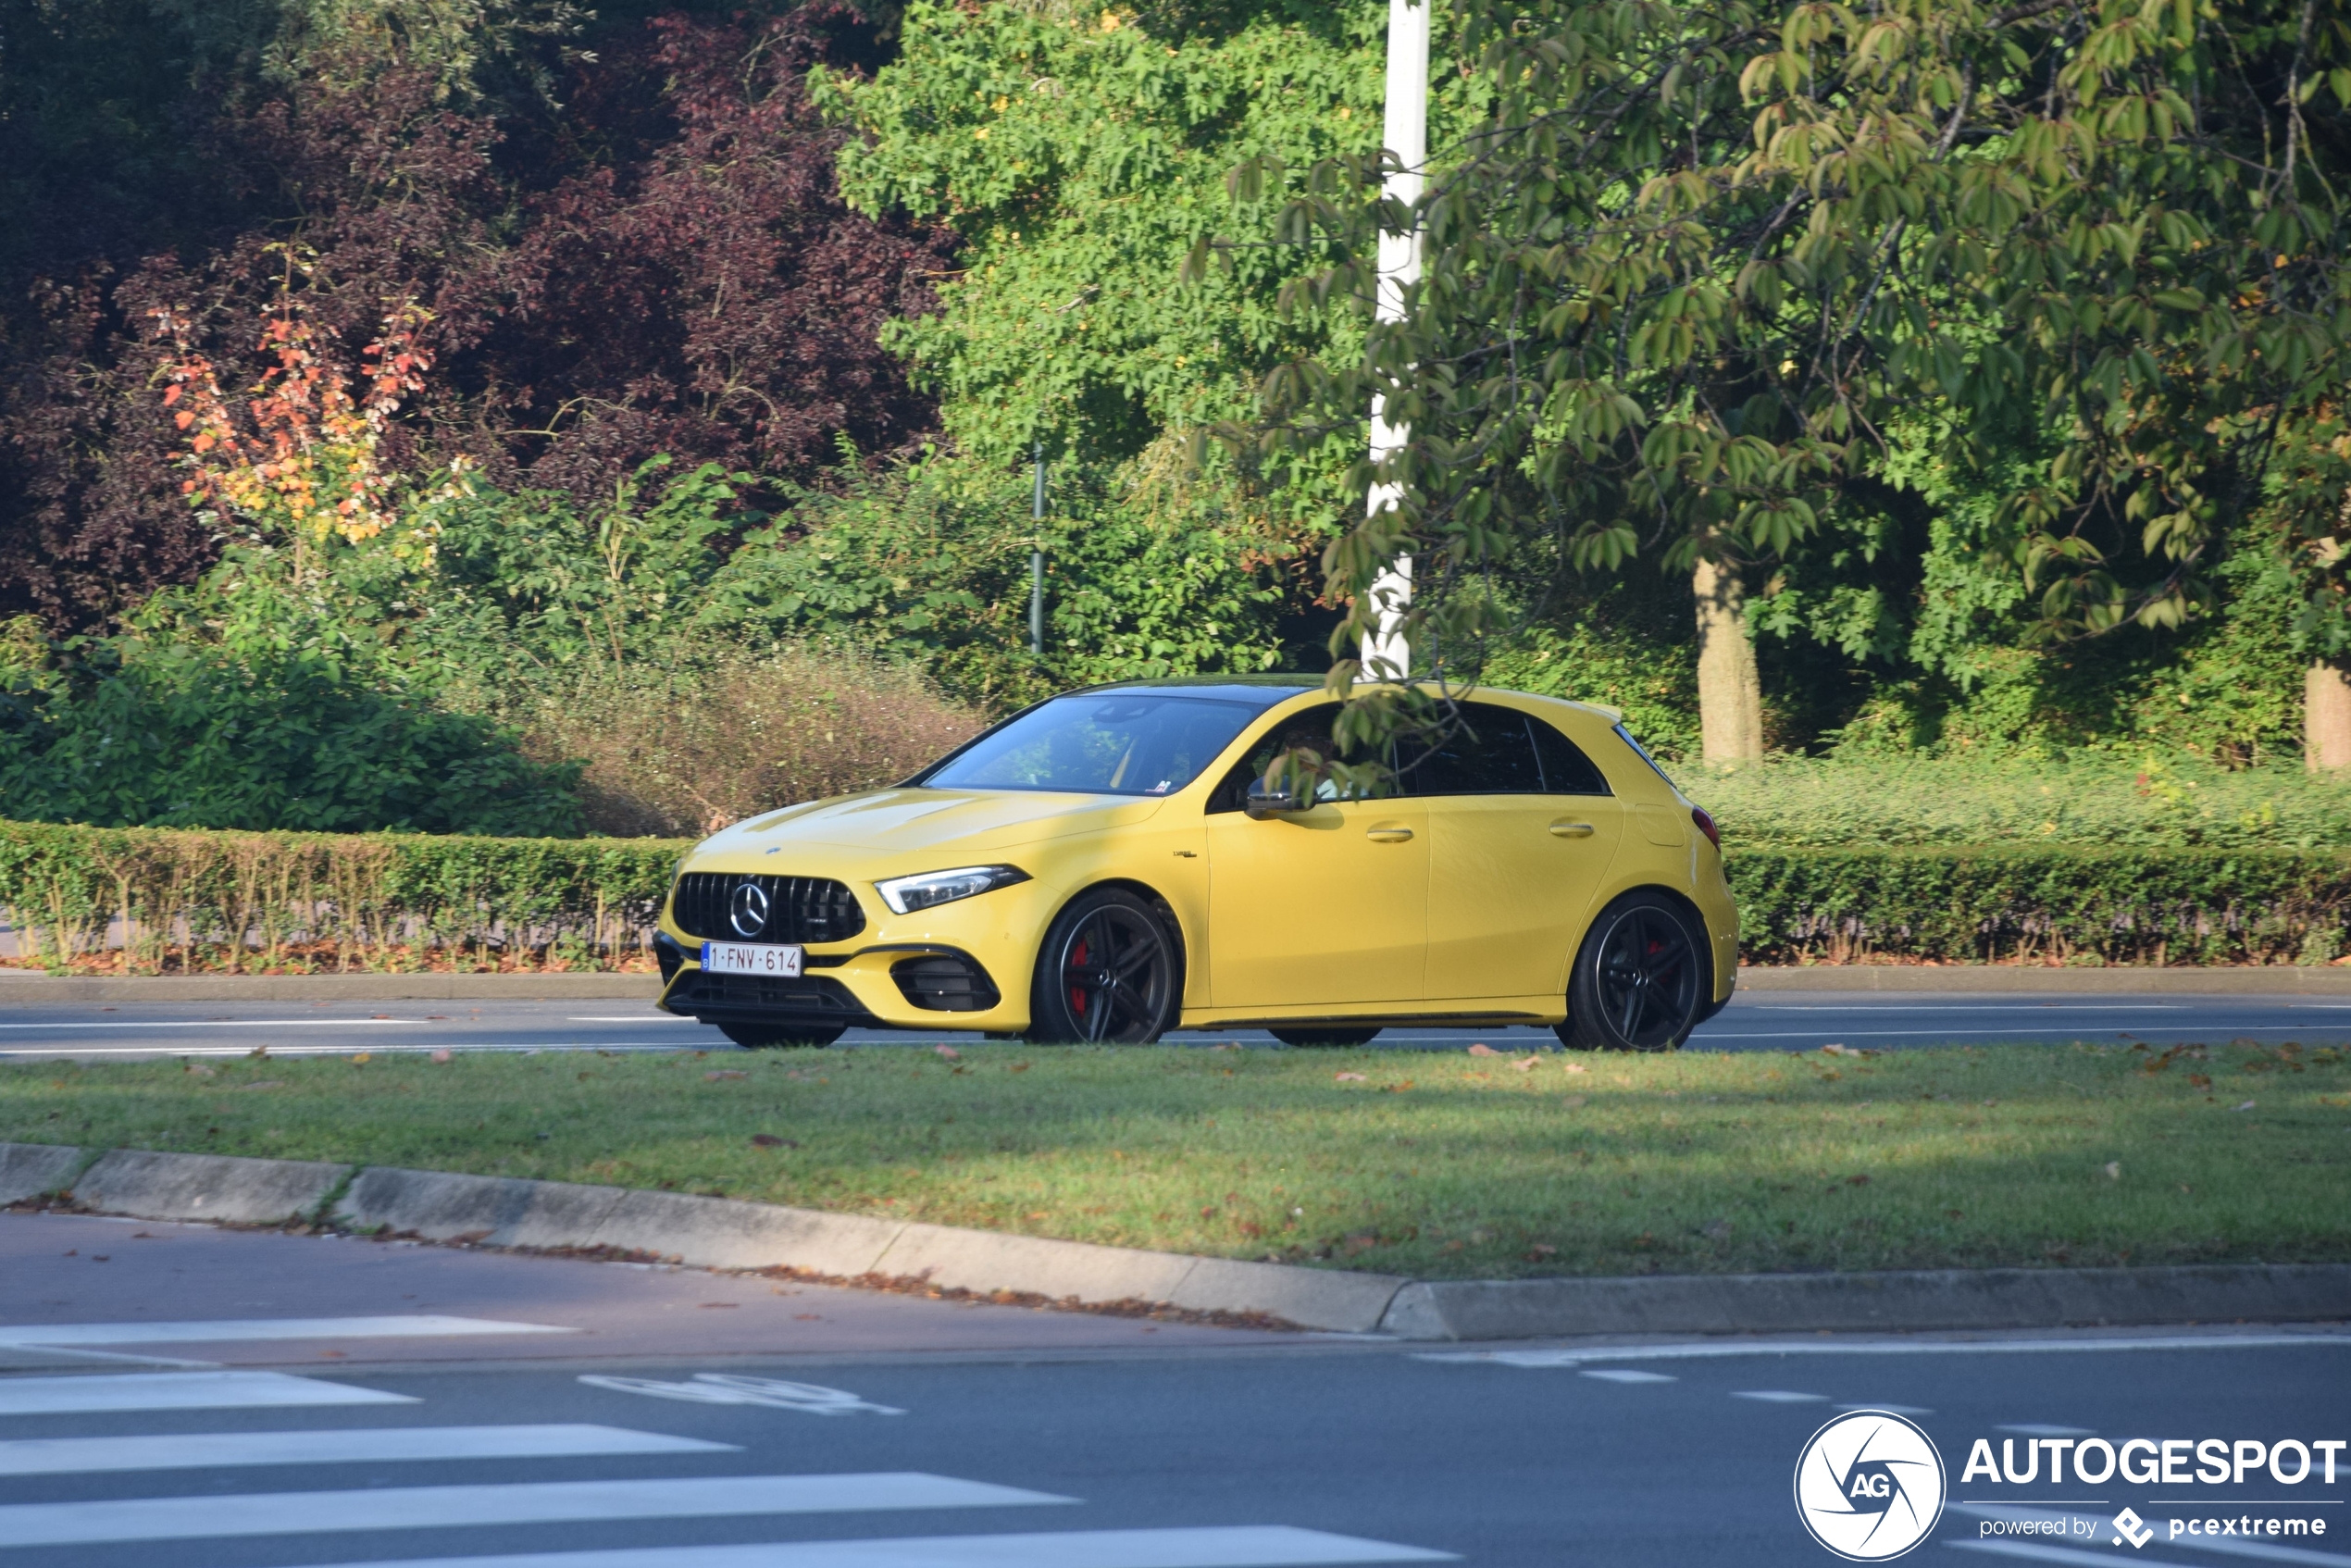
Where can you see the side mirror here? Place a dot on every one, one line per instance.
(1262, 803)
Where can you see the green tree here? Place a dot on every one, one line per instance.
(1683, 277)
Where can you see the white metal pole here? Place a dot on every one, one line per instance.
(1387, 652)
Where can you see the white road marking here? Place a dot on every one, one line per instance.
(648, 1016)
(368, 1445)
(420, 1326)
(215, 1024)
(1626, 1375)
(1239, 1546)
(1780, 1396)
(1968, 1007)
(727, 1389)
(1710, 1350)
(178, 1390)
(2039, 1429)
(410, 1508)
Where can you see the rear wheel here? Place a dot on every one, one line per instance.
(1326, 1037)
(1641, 980)
(1106, 975)
(774, 1036)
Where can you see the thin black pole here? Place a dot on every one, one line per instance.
(1037, 563)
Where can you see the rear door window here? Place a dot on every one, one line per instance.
(1490, 751)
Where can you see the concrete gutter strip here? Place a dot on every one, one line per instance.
(24, 986)
(206, 1186)
(726, 1233)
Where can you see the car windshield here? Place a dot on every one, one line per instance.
(1108, 743)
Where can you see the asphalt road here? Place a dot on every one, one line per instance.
(1765, 1021)
(567, 1420)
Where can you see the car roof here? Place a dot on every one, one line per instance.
(1266, 690)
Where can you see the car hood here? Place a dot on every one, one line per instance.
(895, 820)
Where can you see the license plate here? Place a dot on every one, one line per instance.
(751, 958)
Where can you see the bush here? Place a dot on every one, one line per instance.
(282, 901)
(2105, 801)
(2048, 904)
(258, 735)
(683, 753)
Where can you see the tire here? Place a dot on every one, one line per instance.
(773, 1037)
(1642, 980)
(1106, 975)
(1326, 1037)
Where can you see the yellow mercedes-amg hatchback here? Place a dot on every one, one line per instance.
(1112, 863)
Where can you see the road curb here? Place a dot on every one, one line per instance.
(2119, 980)
(1905, 1300)
(25, 987)
(729, 1233)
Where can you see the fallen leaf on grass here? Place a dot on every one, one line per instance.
(2246, 1106)
(441, 1056)
(1527, 1066)
(1482, 1048)
(1349, 1078)
(769, 1141)
(198, 1069)
(949, 1051)
(724, 1073)
(1578, 1067)
(362, 1059)
(2114, 1170)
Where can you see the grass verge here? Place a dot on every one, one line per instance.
(1441, 1166)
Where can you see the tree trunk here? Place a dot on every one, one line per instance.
(2326, 714)
(1730, 692)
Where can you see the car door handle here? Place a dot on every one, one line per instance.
(1571, 829)
(1388, 835)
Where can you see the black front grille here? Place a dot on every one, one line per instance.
(800, 909)
(945, 983)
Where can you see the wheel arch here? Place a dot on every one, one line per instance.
(1161, 905)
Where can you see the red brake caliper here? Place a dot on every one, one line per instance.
(1079, 956)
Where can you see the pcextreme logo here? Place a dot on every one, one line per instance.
(1869, 1486)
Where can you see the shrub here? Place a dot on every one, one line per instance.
(682, 754)
(2037, 903)
(297, 901)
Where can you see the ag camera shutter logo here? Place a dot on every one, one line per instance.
(1869, 1486)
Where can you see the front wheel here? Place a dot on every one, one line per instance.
(770, 1037)
(1644, 975)
(1106, 975)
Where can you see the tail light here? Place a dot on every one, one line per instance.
(1706, 826)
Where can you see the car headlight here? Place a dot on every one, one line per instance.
(906, 894)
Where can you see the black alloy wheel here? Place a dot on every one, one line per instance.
(1106, 975)
(1642, 980)
(1304, 1038)
(777, 1037)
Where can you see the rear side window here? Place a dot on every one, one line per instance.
(1499, 751)
(1566, 770)
(1643, 753)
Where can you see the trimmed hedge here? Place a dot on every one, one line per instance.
(2041, 902)
(177, 899)
(183, 899)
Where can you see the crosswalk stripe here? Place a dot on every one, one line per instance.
(1243, 1545)
(280, 1513)
(413, 1326)
(178, 1390)
(207, 1451)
